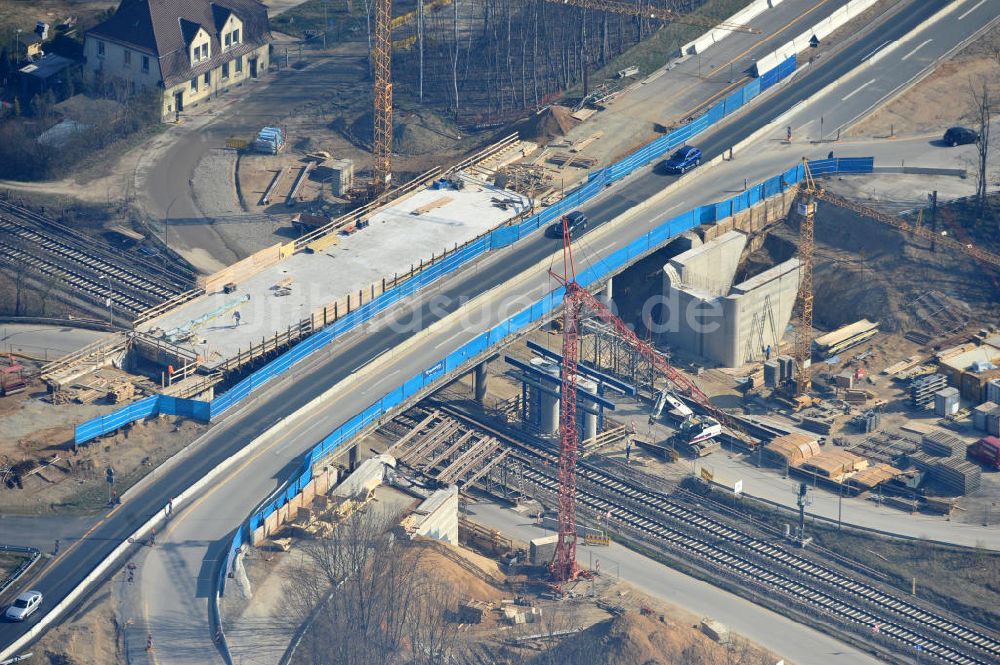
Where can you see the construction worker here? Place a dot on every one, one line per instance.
(788, 133)
(152, 537)
(149, 642)
(55, 550)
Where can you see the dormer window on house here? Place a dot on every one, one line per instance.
(199, 53)
(231, 39)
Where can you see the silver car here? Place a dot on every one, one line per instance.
(24, 606)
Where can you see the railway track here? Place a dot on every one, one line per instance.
(654, 515)
(135, 285)
(177, 277)
(92, 289)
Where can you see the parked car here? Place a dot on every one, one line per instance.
(24, 606)
(683, 160)
(960, 136)
(575, 220)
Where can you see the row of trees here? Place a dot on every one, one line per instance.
(494, 58)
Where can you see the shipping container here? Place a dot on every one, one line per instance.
(986, 451)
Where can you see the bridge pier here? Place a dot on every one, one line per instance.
(352, 457)
(480, 379)
(607, 289)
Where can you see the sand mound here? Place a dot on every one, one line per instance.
(468, 574)
(634, 639)
(548, 124)
(412, 133)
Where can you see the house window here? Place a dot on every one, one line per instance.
(128, 57)
(229, 39)
(194, 84)
(236, 36)
(100, 49)
(145, 64)
(204, 51)
(239, 64)
(225, 70)
(208, 78)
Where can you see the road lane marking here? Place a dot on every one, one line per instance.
(863, 86)
(443, 342)
(971, 9)
(920, 46)
(369, 361)
(877, 49)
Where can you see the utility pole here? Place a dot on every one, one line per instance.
(934, 228)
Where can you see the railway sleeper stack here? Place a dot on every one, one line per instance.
(922, 389)
(957, 475)
(944, 444)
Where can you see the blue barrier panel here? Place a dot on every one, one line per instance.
(786, 67)
(768, 79)
(706, 214)
(722, 210)
(188, 408)
(733, 102)
(751, 90)
(503, 237)
(854, 164)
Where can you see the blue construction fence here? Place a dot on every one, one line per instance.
(496, 239)
(456, 360)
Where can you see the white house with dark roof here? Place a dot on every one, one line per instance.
(190, 49)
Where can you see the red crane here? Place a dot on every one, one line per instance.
(577, 300)
(564, 567)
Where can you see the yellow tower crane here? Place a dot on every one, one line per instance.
(810, 193)
(382, 117)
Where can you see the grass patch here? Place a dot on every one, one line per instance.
(963, 580)
(11, 561)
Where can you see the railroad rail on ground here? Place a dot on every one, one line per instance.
(859, 606)
(92, 270)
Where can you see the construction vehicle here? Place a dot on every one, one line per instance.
(678, 409)
(698, 434)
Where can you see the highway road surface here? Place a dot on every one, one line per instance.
(176, 576)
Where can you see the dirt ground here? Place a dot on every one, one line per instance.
(943, 99)
(94, 633)
(36, 430)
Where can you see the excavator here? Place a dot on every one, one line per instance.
(695, 433)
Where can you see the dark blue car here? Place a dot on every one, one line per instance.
(686, 158)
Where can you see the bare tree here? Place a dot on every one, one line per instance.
(367, 598)
(982, 107)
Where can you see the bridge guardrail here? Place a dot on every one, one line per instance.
(497, 239)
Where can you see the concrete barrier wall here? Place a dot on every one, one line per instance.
(243, 269)
(717, 34)
(820, 31)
